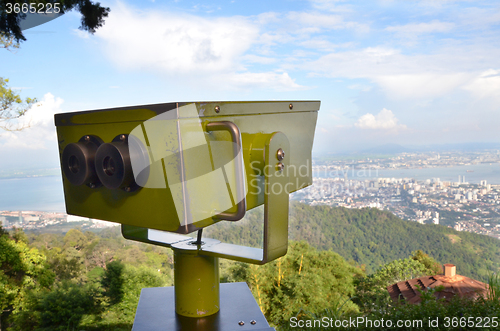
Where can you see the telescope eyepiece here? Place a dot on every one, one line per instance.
(78, 161)
(113, 164)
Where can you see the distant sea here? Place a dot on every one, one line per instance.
(473, 173)
(46, 193)
(32, 193)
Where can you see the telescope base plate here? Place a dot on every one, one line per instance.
(156, 311)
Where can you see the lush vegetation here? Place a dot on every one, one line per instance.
(339, 270)
(85, 280)
(372, 238)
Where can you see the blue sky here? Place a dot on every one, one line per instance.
(406, 72)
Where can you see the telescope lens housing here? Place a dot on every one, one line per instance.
(78, 161)
(74, 164)
(113, 164)
(108, 165)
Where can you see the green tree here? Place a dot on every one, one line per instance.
(61, 308)
(64, 307)
(12, 107)
(372, 291)
(304, 279)
(20, 235)
(23, 270)
(93, 15)
(66, 264)
(130, 282)
(76, 239)
(432, 266)
(112, 282)
(7, 42)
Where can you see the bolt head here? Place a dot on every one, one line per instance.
(217, 109)
(87, 138)
(92, 185)
(241, 323)
(127, 189)
(280, 154)
(290, 106)
(123, 137)
(280, 166)
(253, 322)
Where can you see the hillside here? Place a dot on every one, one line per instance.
(372, 237)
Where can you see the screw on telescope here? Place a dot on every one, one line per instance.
(253, 322)
(241, 323)
(87, 138)
(280, 155)
(280, 166)
(217, 109)
(290, 106)
(123, 137)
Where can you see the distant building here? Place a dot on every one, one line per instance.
(435, 220)
(409, 291)
(73, 218)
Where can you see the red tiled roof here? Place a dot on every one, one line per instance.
(456, 285)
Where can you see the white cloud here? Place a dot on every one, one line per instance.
(193, 46)
(486, 84)
(331, 5)
(251, 58)
(266, 80)
(410, 75)
(384, 120)
(411, 86)
(361, 87)
(420, 28)
(326, 21)
(314, 22)
(81, 34)
(175, 42)
(41, 134)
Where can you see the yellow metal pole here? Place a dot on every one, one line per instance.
(196, 283)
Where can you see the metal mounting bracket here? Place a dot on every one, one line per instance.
(276, 200)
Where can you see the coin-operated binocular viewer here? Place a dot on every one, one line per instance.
(166, 170)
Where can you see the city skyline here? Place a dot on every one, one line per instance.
(406, 72)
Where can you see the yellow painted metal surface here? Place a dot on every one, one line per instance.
(196, 283)
(191, 175)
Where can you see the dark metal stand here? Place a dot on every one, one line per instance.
(156, 311)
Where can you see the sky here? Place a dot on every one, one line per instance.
(386, 72)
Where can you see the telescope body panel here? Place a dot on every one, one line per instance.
(187, 164)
